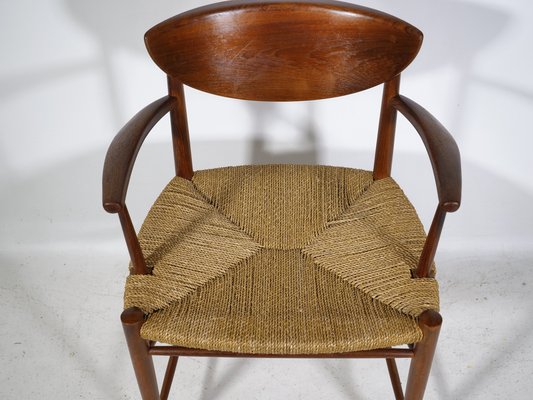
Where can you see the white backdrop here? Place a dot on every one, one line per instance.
(73, 71)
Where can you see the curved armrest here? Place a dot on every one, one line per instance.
(442, 150)
(123, 151)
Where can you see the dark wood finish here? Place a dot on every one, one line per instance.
(185, 351)
(430, 323)
(134, 248)
(123, 151)
(430, 246)
(442, 149)
(169, 376)
(395, 378)
(132, 320)
(283, 50)
(446, 162)
(387, 127)
(180, 130)
(118, 165)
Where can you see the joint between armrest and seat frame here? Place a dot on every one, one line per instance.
(118, 165)
(446, 162)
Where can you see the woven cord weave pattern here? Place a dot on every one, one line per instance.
(187, 243)
(374, 245)
(282, 259)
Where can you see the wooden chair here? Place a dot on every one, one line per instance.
(282, 261)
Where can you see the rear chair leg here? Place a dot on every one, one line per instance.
(132, 320)
(395, 379)
(169, 376)
(430, 323)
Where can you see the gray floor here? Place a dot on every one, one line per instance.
(64, 263)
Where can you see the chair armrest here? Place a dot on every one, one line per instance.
(123, 151)
(442, 149)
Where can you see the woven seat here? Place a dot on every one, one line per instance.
(282, 259)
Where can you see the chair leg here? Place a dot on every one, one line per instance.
(132, 320)
(169, 376)
(430, 323)
(395, 379)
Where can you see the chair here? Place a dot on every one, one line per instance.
(282, 260)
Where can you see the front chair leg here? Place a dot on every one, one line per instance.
(430, 322)
(132, 320)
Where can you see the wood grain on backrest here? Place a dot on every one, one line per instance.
(283, 50)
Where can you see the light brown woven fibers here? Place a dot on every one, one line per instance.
(282, 259)
(277, 302)
(374, 245)
(281, 206)
(187, 243)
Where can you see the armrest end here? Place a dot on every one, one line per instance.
(123, 151)
(442, 150)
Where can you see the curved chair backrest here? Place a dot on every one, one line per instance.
(276, 50)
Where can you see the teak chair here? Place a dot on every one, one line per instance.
(282, 260)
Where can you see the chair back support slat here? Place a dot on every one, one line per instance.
(281, 51)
